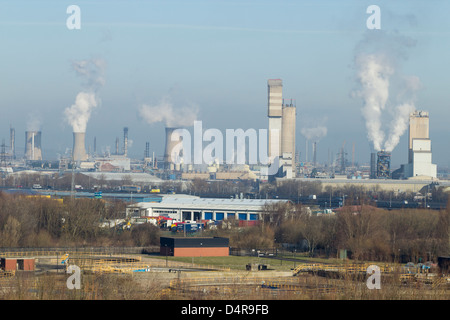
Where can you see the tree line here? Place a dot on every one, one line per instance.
(28, 221)
(365, 232)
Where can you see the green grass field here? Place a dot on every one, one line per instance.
(240, 262)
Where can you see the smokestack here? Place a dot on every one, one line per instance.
(373, 166)
(33, 145)
(172, 140)
(125, 141)
(117, 146)
(79, 150)
(314, 152)
(147, 150)
(12, 142)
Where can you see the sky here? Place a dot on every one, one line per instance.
(215, 57)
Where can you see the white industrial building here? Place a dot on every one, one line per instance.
(419, 148)
(282, 126)
(193, 208)
(421, 160)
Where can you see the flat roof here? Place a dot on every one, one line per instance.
(211, 204)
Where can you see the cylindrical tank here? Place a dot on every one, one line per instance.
(79, 150)
(33, 149)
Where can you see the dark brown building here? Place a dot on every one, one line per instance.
(194, 247)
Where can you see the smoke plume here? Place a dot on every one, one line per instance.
(377, 63)
(165, 112)
(314, 134)
(92, 71)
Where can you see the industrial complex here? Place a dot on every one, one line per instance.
(153, 169)
(164, 192)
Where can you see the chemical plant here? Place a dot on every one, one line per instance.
(153, 169)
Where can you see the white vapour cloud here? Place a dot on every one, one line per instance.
(314, 134)
(374, 72)
(34, 122)
(376, 69)
(165, 112)
(78, 114)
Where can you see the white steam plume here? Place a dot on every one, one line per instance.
(165, 112)
(314, 134)
(34, 122)
(376, 69)
(78, 114)
(373, 73)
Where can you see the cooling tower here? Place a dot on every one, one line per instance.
(33, 149)
(79, 150)
(288, 129)
(172, 140)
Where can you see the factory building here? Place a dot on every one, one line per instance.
(419, 148)
(197, 209)
(275, 114)
(383, 165)
(282, 127)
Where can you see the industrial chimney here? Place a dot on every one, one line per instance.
(125, 141)
(315, 153)
(12, 142)
(79, 150)
(33, 149)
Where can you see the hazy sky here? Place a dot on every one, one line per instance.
(216, 56)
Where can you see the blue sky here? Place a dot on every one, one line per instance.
(217, 55)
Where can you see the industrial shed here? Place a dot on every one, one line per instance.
(193, 208)
(194, 247)
(17, 264)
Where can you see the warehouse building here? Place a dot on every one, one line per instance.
(194, 247)
(192, 208)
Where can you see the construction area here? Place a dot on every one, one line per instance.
(144, 276)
